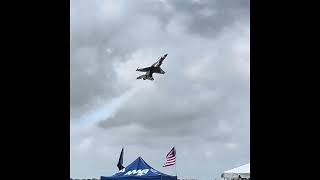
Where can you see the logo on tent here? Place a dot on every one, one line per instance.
(154, 171)
(139, 172)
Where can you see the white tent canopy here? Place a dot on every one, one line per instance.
(239, 172)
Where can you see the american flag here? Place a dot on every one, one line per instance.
(171, 158)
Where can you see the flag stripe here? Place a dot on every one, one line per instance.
(173, 160)
(168, 164)
(170, 158)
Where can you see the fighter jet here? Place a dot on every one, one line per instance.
(154, 68)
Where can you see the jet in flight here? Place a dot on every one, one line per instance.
(154, 68)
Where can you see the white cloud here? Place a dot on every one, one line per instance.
(231, 145)
(85, 144)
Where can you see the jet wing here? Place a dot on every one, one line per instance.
(158, 63)
(159, 70)
(144, 69)
(154, 64)
(139, 77)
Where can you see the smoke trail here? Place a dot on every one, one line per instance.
(103, 111)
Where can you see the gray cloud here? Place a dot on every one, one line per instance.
(201, 105)
(209, 18)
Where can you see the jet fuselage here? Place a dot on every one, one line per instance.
(154, 68)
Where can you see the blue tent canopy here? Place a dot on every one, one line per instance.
(139, 170)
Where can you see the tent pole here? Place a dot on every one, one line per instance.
(175, 166)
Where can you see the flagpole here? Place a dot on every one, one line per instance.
(175, 165)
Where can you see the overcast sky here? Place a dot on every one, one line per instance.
(201, 105)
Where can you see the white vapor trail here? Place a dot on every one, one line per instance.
(103, 112)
